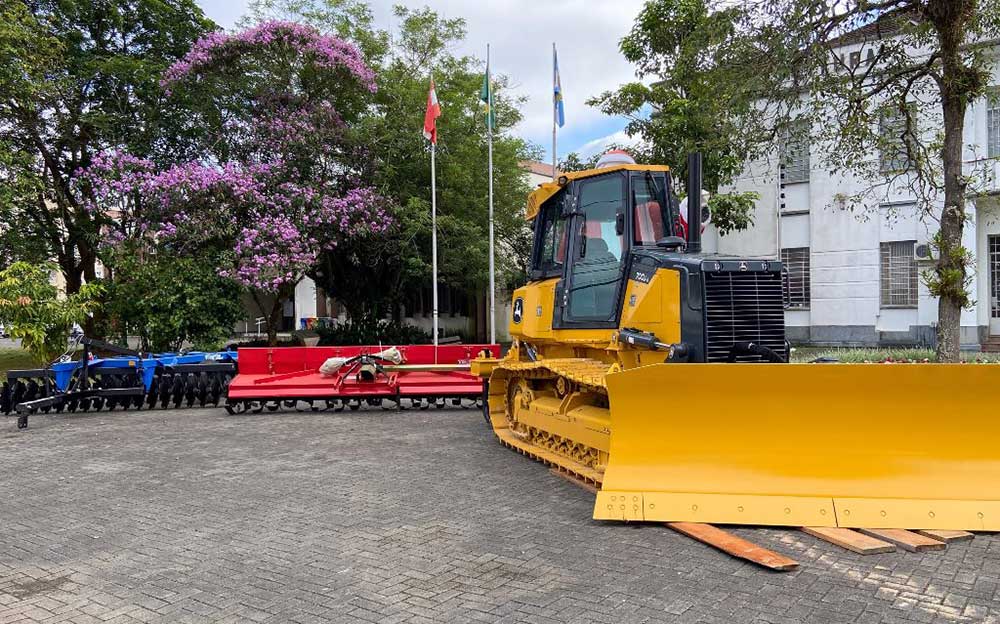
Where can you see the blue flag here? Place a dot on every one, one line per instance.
(557, 94)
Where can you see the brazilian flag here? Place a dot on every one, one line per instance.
(486, 97)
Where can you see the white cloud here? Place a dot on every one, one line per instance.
(598, 145)
(521, 33)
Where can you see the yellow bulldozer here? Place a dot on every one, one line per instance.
(658, 373)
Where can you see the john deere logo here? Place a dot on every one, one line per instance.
(518, 312)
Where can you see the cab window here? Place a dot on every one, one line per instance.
(552, 239)
(651, 220)
(599, 249)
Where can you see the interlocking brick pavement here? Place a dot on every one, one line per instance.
(416, 516)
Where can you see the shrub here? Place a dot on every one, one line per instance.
(34, 312)
(900, 355)
(294, 341)
(169, 301)
(369, 330)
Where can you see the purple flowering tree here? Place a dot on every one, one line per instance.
(269, 231)
(279, 93)
(272, 183)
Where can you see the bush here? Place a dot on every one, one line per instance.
(169, 301)
(900, 355)
(34, 312)
(372, 331)
(294, 341)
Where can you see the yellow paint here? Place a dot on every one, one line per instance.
(547, 189)
(655, 308)
(585, 424)
(712, 508)
(908, 445)
(879, 446)
(536, 320)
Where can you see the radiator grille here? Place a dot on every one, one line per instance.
(743, 307)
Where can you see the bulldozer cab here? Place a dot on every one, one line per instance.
(585, 230)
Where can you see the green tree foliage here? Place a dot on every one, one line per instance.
(348, 19)
(34, 312)
(689, 97)
(733, 79)
(375, 275)
(77, 77)
(573, 162)
(171, 301)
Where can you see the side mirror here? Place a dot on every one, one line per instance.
(620, 224)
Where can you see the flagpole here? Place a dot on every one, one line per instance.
(430, 133)
(434, 249)
(555, 110)
(489, 126)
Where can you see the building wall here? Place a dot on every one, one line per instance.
(845, 306)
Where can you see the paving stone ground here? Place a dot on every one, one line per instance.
(198, 516)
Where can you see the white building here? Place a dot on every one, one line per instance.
(855, 278)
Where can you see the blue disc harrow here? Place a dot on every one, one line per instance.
(129, 380)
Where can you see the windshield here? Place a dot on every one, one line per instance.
(650, 211)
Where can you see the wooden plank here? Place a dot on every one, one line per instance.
(735, 546)
(907, 540)
(590, 487)
(947, 536)
(851, 540)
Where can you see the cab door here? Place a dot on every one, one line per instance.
(598, 245)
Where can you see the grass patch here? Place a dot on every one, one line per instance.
(877, 355)
(14, 359)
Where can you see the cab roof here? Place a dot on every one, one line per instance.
(547, 189)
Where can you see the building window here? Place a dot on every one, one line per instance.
(993, 123)
(895, 142)
(796, 263)
(898, 275)
(794, 152)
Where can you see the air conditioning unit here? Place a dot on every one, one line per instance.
(923, 251)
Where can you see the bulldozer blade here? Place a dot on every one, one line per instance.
(913, 446)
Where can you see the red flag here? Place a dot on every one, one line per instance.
(430, 117)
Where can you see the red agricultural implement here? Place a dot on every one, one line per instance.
(424, 375)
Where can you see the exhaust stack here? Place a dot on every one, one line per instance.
(694, 184)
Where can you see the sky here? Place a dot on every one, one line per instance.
(521, 33)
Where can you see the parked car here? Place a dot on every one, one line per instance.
(3, 331)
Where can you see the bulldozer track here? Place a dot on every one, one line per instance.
(587, 373)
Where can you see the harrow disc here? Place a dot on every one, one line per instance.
(110, 382)
(177, 389)
(5, 395)
(17, 395)
(166, 383)
(153, 392)
(203, 387)
(214, 390)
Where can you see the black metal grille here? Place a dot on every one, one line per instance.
(743, 306)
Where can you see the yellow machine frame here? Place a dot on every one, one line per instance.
(901, 446)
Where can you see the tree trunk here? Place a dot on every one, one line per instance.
(273, 319)
(956, 89)
(272, 314)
